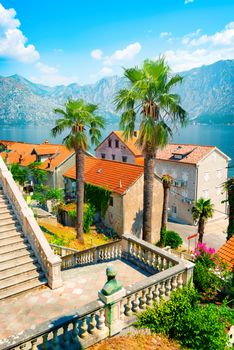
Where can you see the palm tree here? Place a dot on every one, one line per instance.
(148, 97)
(80, 119)
(202, 211)
(167, 182)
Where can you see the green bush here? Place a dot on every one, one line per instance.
(89, 211)
(171, 238)
(182, 318)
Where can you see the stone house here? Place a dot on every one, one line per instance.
(198, 171)
(125, 181)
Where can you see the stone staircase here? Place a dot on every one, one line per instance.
(20, 270)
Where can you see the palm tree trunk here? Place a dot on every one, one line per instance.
(79, 193)
(165, 207)
(201, 229)
(148, 197)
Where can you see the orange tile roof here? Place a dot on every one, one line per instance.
(45, 149)
(130, 143)
(112, 175)
(20, 152)
(192, 154)
(61, 153)
(226, 252)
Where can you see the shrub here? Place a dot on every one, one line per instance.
(89, 211)
(182, 318)
(170, 238)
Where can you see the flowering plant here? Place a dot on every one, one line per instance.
(207, 256)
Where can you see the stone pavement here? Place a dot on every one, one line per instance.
(80, 286)
(215, 233)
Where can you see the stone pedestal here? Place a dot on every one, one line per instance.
(113, 311)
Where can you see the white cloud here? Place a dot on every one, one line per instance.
(45, 69)
(106, 71)
(224, 37)
(128, 53)
(97, 54)
(12, 40)
(54, 79)
(188, 1)
(182, 59)
(165, 35)
(186, 38)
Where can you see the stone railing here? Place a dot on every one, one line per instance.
(108, 315)
(73, 258)
(75, 331)
(50, 263)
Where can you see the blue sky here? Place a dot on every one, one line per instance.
(59, 42)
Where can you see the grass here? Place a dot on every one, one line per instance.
(137, 342)
(66, 236)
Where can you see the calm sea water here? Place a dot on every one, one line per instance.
(221, 136)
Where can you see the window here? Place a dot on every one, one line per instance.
(109, 143)
(173, 209)
(124, 159)
(113, 156)
(111, 202)
(116, 143)
(103, 155)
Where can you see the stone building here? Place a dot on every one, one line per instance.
(125, 181)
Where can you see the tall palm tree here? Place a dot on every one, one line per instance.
(80, 119)
(202, 211)
(148, 97)
(167, 182)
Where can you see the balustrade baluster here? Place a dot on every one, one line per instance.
(150, 297)
(156, 293)
(34, 344)
(75, 332)
(143, 300)
(122, 309)
(101, 320)
(128, 310)
(162, 264)
(93, 325)
(44, 342)
(113, 252)
(180, 281)
(168, 287)
(159, 262)
(22, 346)
(136, 303)
(174, 282)
(65, 340)
(84, 328)
(55, 341)
(162, 289)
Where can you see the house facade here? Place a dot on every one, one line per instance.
(125, 181)
(198, 171)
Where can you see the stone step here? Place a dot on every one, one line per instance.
(12, 240)
(4, 207)
(16, 262)
(12, 247)
(22, 252)
(10, 234)
(21, 278)
(22, 287)
(17, 271)
(16, 226)
(7, 215)
(3, 199)
(6, 222)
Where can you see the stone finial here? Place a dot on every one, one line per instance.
(112, 285)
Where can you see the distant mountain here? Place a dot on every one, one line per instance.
(207, 94)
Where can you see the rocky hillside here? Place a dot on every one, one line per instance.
(207, 94)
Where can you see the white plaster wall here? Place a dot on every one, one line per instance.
(118, 152)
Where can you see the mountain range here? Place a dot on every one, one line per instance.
(207, 94)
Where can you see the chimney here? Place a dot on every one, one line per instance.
(46, 142)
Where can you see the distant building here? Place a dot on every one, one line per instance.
(198, 171)
(125, 181)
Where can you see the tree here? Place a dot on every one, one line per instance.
(202, 211)
(167, 182)
(39, 176)
(148, 97)
(19, 173)
(79, 118)
(229, 187)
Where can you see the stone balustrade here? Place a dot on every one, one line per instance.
(73, 258)
(50, 263)
(76, 331)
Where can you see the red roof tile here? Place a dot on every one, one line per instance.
(116, 176)
(226, 252)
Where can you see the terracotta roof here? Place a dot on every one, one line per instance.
(20, 152)
(45, 149)
(112, 175)
(191, 154)
(226, 252)
(61, 153)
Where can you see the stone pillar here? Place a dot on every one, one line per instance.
(113, 311)
(188, 274)
(54, 273)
